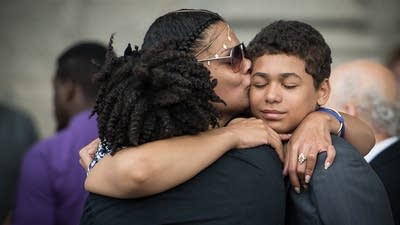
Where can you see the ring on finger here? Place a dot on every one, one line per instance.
(302, 158)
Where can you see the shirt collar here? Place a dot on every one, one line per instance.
(379, 147)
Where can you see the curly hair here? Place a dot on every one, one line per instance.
(153, 94)
(297, 39)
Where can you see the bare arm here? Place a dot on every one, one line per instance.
(358, 133)
(157, 166)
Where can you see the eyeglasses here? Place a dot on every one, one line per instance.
(236, 56)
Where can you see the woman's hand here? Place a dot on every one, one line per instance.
(310, 138)
(87, 153)
(251, 132)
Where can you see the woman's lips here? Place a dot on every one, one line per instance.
(272, 114)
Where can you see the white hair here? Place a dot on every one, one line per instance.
(383, 115)
(372, 103)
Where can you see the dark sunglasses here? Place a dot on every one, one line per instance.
(236, 56)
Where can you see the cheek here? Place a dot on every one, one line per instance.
(228, 84)
(302, 104)
(255, 97)
(56, 100)
(58, 108)
(58, 97)
(59, 100)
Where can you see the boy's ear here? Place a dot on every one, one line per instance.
(324, 90)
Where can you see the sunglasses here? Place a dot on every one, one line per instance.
(236, 57)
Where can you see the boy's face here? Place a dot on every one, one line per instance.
(282, 93)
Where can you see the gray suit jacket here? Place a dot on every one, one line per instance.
(347, 193)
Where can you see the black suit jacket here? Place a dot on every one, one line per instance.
(243, 187)
(387, 166)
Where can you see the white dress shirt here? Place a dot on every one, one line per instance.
(379, 147)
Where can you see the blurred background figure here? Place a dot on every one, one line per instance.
(17, 134)
(50, 189)
(393, 62)
(369, 90)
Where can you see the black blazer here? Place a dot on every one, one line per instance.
(243, 187)
(387, 166)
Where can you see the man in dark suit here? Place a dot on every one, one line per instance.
(368, 90)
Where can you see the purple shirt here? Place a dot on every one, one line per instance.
(50, 187)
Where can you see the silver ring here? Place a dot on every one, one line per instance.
(302, 158)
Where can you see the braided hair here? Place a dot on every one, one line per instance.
(152, 94)
(186, 26)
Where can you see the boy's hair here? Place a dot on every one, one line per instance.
(296, 39)
(153, 94)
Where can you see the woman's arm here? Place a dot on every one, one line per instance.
(313, 136)
(160, 165)
(358, 133)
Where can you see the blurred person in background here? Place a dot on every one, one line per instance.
(369, 90)
(50, 189)
(393, 62)
(17, 134)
